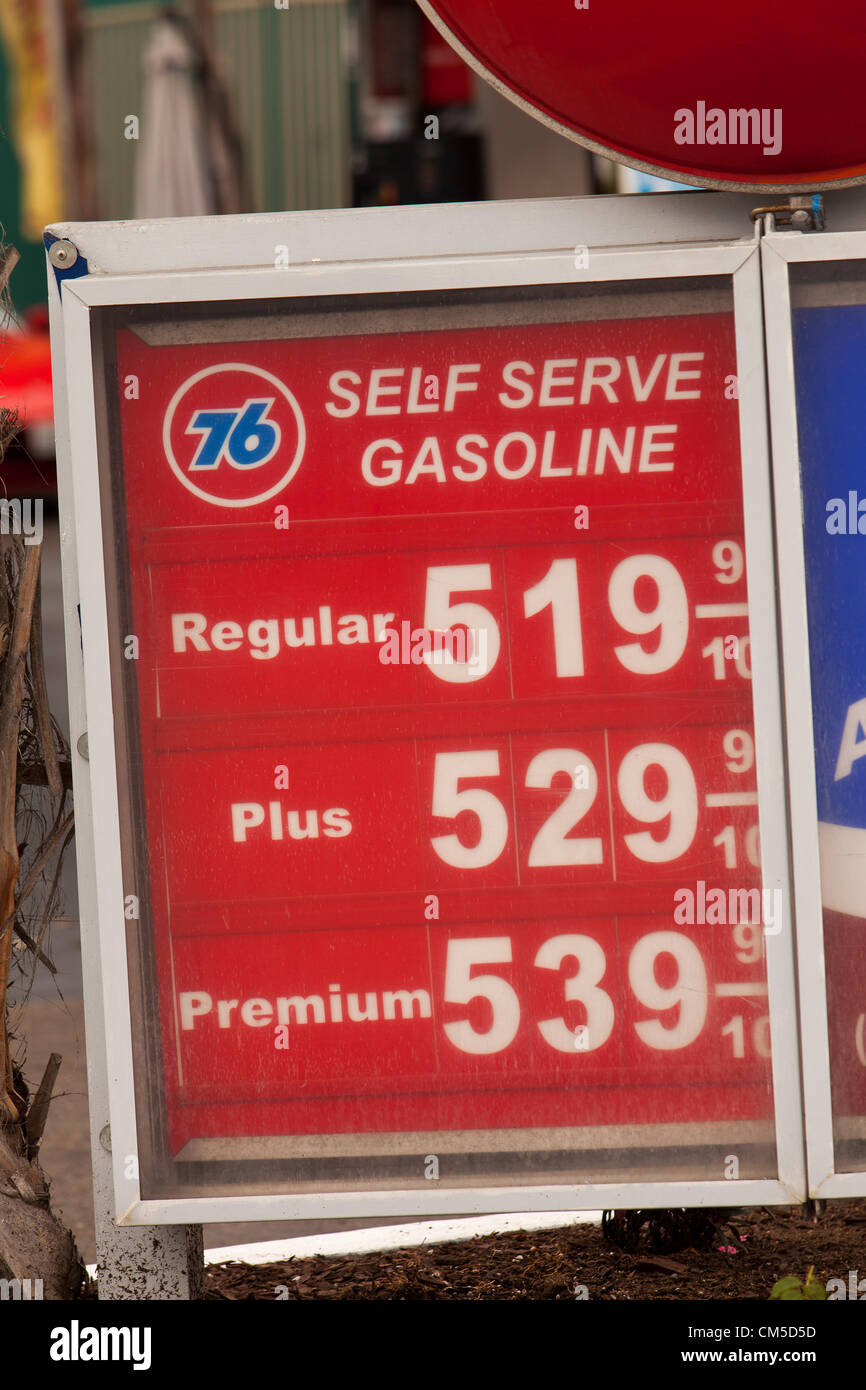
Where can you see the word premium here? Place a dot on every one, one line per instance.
(396, 1004)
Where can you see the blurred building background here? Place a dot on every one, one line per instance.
(338, 103)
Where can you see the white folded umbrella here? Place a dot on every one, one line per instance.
(172, 175)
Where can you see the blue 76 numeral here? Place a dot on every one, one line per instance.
(242, 436)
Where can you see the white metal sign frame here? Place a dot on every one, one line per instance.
(385, 258)
(781, 250)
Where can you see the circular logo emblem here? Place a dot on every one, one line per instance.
(233, 434)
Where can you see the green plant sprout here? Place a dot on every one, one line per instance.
(790, 1289)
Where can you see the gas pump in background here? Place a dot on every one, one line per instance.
(418, 134)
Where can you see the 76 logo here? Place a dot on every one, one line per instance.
(245, 437)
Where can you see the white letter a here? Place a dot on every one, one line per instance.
(852, 746)
(60, 1338)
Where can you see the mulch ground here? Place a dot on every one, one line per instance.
(760, 1245)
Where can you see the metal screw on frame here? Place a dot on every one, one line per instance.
(800, 214)
(62, 254)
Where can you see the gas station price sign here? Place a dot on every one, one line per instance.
(432, 656)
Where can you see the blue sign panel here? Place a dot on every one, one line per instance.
(830, 365)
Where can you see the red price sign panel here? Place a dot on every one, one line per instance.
(447, 765)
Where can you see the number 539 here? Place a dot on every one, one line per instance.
(689, 992)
